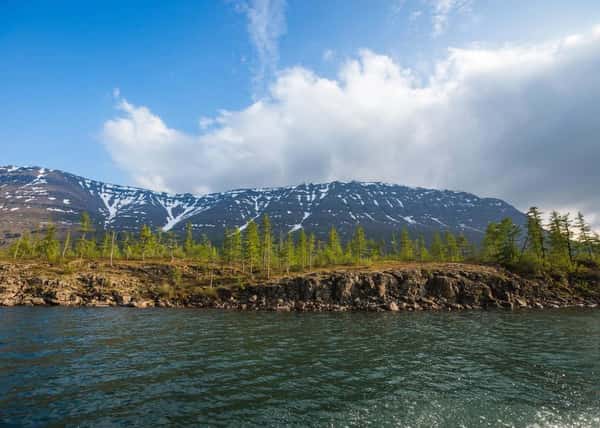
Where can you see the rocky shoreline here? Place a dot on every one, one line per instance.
(451, 287)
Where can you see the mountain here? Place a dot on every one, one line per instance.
(30, 196)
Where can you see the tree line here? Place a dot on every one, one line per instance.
(561, 244)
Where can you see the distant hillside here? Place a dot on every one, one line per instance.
(30, 196)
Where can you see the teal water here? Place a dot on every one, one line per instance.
(104, 367)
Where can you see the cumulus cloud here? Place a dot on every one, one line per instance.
(266, 24)
(517, 122)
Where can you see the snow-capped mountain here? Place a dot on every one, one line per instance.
(30, 196)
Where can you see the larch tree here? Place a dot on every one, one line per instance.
(438, 250)
(407, 251)
(267, 245)
(585, 237)
(334, 247)
(302, 249)
(252, 246)
(358, 245)
(452, 250)
(535, 242)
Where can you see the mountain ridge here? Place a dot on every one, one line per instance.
(32, 195)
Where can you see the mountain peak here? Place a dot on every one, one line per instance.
(30, 196)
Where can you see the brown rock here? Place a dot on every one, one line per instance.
(393, 307)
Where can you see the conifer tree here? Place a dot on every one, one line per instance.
(146, 241)
(438, 252)
(421, 249)
(452, 250)
(267, 245)
(535, 244)
(491, 243)
(557, 239)
(85, 227)
(358, 245)
(407, 251)
(509, 235)
(585, 237)
(334, 247)
(172, 244)
(465, 249)
(105, 248)
(236, 246)
(567, 228)
(287, 253)
(127, 246)
(227, 258)
(189, 244)
(252, 246)
(50, 247)
(311, 250)
(302, 249)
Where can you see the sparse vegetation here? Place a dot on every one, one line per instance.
(560, 247)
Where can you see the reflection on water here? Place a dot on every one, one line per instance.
(195, 367)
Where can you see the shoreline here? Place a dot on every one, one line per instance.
(394, 288)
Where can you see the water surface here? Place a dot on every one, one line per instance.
(119, 366)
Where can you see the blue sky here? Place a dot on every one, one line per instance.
(176, 62)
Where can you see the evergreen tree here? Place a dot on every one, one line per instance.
(509, 236)
(567, 228)
(267, 245)
(172, 244)
(491, 243)
(236, 246)
(83, 246)
(465, 249)
(252, 246)
(585, 238)
(189, 244)
(50, 247)
(146, 241)
(421, 249)
(452, 251)
(557, 239)
(302, 250)
(358, 245)
(535, 245)
(311, 250)
(334, 247)
(438, 251)
(128, 246)
(287, 253)
(407, 251)
(105, 248)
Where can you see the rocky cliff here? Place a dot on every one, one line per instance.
(393, 288)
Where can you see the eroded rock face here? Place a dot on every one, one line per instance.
(450, 287)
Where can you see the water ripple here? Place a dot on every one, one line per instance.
(109, 367)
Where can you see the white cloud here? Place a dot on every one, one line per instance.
(518, 122)
(443, 9)
(266, 24)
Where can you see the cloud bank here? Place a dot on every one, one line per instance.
(516, 122)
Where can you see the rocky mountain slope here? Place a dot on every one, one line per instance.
(31, 196)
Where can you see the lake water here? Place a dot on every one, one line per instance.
(119, 366)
